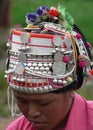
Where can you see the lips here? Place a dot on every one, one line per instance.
(37, 124)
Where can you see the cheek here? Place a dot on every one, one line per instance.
(23, 108)
(56, 113)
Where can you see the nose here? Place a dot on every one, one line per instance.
(33, 111)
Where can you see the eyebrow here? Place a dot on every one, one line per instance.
(39, 99)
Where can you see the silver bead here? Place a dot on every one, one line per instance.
(64, 82)
(50, 87)
(44, 72)
(31, 68)
(36, 68)
(22, 80)
(8, 45)
(40, 65)
(14, 78)
(54, 51)
(5, 76)
(47, 68)
(34, 64)
(46, 89)
(50, 64)
(35, 90)
(49, 72)
(55, 81)
(62, 50)
(41, 90)
(57, 49)
(42, 68)
(18, 79)
(60, 81)
(45, 65)
(29, 64)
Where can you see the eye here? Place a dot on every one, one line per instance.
(44, 104)
(22, 101)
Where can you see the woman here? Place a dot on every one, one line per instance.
(47, 61)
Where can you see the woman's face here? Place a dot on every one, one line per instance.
(45, 111)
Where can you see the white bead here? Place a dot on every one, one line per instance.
(5, 76)
(57, 49)
(55, 81)
(36, 68)
(47, 68)
(8, 44)
(45, 64)
(22, 80)
(54, 51)
(18, 79)
(26, 67)
(44, 72)
(49, 72)
(62, 50)
(64, 82)
(42, 68)
(29, 64)
(40, 65)
(31, 68)
(50, 64)
(34, 64)
(50, 87)
(41, 90)
(35, 90)
(46, 89)
(60, 81)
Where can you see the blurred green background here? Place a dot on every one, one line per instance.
(81, 10)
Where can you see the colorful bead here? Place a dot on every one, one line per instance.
(89, 45)
(66, 59)
(91, 71)
(78, 36)
(84, 74)
(82, 61)
(69, 79)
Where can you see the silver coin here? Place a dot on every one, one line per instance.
(59, 68)
(70, 66)
(19, 69)
(58, 56)
(22, 57)
(68, 42)
(57, 40)
(24, 38)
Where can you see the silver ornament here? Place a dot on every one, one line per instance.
(59, 68)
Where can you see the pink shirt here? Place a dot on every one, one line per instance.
(80, 118)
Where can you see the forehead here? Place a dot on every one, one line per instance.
(35, 96)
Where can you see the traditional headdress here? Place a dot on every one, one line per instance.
(49, 54)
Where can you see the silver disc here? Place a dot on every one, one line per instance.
(24, 38)
(70, 64)
(57, 40)
(19, 69)
(22, 57)
(59, 68)
(68, 42)
(58, 56)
